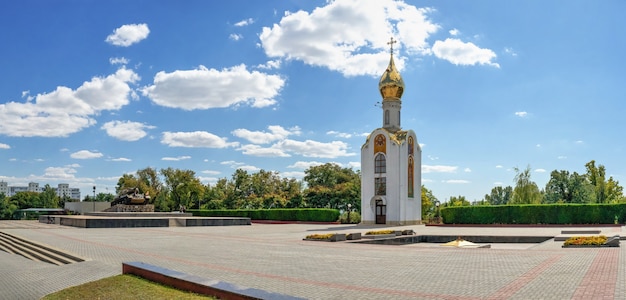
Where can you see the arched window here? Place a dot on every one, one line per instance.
(380, 164)
(386, 117)
(380, 179)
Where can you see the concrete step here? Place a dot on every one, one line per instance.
(13, 249)
(36, 251)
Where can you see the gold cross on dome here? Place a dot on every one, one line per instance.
(390, 43)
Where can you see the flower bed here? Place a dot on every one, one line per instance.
(377, 232)
(596, 240)
(327, 237)
(591, 241)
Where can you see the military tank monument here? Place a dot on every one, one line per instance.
(131, 208)
(131, 200)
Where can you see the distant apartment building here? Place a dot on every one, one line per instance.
(62, 190)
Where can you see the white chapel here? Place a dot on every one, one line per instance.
(391, 162)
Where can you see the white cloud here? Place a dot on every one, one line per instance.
(27, 95)
(49, 115)
(510, 51)
(296, 175)
(195, 139)
(432, 157)
(4, 146)
(275, 133)
(235, 37)
(178, 158)
(454, 32)
(339, 134)
(249, 168)
(231, 163)
(239, 165)
(354, 164)
(439, 169)
(305, 164)
(311, 148)
(66, 172)
(457, 181)
(210, 172)
(204, 88)
(467, 170)
(118, 61)
(126, 130)
(497, 183)
(540, 170)
(464, 54)
(359, 48)
(256, 150)
(521, 114)
(85, 154)
(561, 157)
(499, 167)
(272, 64)
(121, 159)
(127, 35)
(245, 22)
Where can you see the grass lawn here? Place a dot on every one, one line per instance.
(123, 287)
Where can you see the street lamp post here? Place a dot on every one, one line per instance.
(349, 209)
(438, 216)
(94, 198)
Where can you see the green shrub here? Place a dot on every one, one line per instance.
(280, 214)
(535, 214)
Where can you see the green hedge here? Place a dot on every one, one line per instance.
(303, 214)
(536, 214)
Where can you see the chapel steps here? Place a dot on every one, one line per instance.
(34, 251)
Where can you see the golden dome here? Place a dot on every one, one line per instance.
(391, 85)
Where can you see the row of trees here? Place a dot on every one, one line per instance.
(323, 186)
(563, 187)
(327, 185)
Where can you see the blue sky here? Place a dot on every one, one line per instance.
(92, 90)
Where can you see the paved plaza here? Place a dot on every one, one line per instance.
(273, 257)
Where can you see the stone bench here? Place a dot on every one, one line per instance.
(197, 284)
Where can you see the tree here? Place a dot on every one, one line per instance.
(499, 195)
(328, 175)
(25, 199)
(104, 197)
(149, 182)
(428, 203)
(7, 207)
(458, 201)
(329, 185)
(215, 195)
(605, 191)
(564, 187)
(525, 191)
(184, 188)
(48, 198)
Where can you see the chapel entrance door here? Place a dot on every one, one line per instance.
(381, 212)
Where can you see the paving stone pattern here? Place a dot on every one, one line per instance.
(273, 257)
